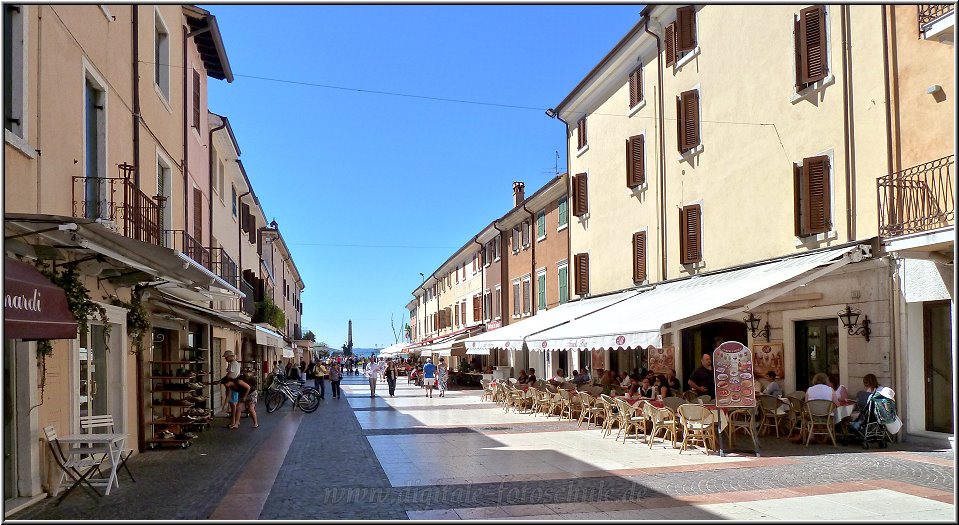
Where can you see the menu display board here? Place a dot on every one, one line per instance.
(661, 360)
(733, 372)
(766, 357)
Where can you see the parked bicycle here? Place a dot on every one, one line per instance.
(306, 398)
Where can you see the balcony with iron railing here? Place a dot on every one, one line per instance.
(931, 13)
(917, 199)
(245, 305)
(183, 242)
(224, 265)
(133, 213)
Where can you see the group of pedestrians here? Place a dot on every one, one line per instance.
(385, 368)
(239, 389)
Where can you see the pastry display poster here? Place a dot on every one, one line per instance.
(766, 357)
(733, 372)
(661, 360)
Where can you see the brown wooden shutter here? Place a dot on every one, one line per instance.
(581, 133)
(680, 125)
(198, 215)
(816, 217)
(690, 234)
(635, 167)
(245, 217)
(196, 99)
(635, 86)
(580, 195)
(797, 199)
(581, 263)
(252, 224)
(639, 257)
(797, 37)
(686, 28)
(670, 39)
(477, 313)
(812, 33)
(689, 137)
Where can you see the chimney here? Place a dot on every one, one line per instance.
(519, 195)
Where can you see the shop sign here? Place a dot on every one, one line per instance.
(33, 307)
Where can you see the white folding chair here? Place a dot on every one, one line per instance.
(72, 463)
(90, 424)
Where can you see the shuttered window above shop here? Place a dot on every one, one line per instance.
(581, 269)
(687, 120)
(690, 228)
(635, 161)
(812, 196)
(580, 195)
(639, 257)
(809, 31)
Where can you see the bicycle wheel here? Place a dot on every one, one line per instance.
(274, 400)
(308, 401)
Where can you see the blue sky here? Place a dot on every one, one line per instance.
(371, 189)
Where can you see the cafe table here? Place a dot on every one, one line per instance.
(843, 410)
(98, 443)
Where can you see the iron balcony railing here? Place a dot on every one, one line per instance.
(929, 13)
(186, 244)
(245, 305)
(917, 199)
(117, 199)
(223, 265)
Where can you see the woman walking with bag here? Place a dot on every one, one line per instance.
(335, 377)
(390, 375)
(442, 374)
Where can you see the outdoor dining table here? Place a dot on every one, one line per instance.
(843, 410)
(110, 443)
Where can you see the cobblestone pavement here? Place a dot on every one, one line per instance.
(333, 471)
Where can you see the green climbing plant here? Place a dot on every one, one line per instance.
(138, 319)
(78, 298)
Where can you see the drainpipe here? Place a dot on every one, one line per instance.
(482, 273)
(209, 150)
(136, 96)
(662, 152)
(886, 82)
(503, 270)
(532, 259)
(846, 123)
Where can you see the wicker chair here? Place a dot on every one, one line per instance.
(662, 419)
(593, 410)
(697, 423)
(819, 415)
(690, 396)
(631, 417)
(673, 403)
(741, 420)
(772, 416)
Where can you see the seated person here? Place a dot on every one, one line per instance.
(489, 369)
(624, 380)
(841, 393)
(820, 389)
(586, 377)
(633, 393)
(646, 390)
(672, 381)
(523, 378)
(559, 377)
(576, 376)
(659, 386)
(531, 378)
(773, 388)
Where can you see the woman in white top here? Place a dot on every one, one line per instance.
(820, 389)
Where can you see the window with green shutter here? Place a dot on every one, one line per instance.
(563, 209)
(541, 290)
(563, 284)
(541, 225)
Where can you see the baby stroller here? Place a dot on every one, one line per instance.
(877, 420)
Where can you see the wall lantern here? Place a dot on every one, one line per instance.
(753, 323)
(850, 318)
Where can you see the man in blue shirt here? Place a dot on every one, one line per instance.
(429, 376)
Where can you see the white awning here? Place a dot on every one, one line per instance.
(267, 337)
(637, 321)
(477, 351)
(393, 349)
(511, 336)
